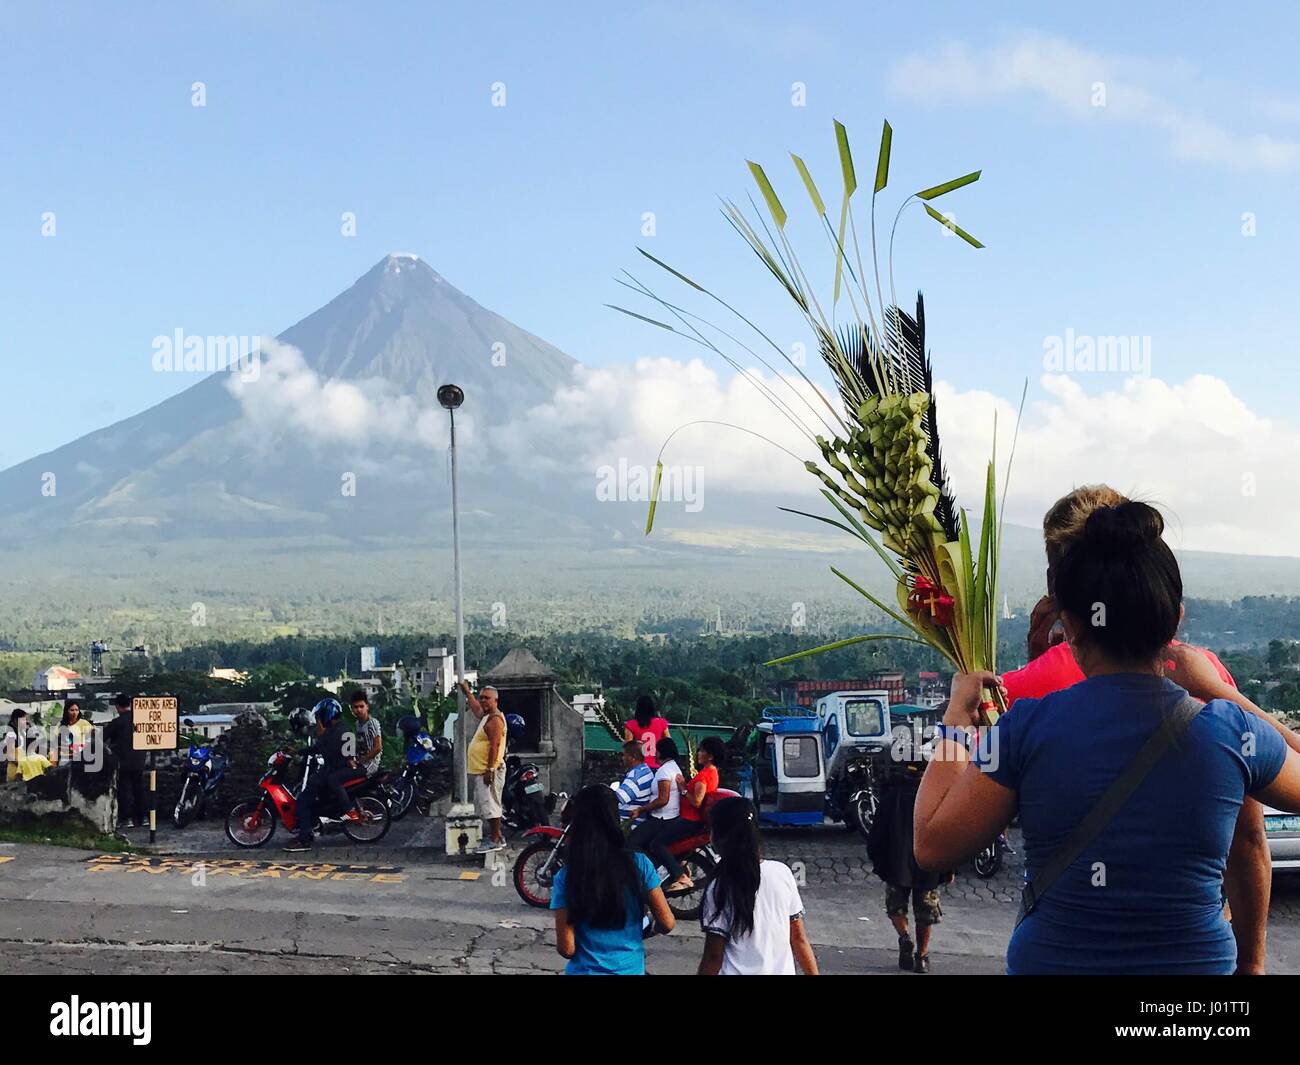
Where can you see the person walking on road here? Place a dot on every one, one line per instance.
(889, 847)
(604, 892)
(752, 915)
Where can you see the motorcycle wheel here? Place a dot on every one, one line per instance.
(863, 813)
(989, 861)
(251, 824)
(686, 905)
(424, 803)
(528, 883)
(376, 821)
(402, 795)
(185, 805)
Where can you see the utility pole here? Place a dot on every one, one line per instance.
(460, 819)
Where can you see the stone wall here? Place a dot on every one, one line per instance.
(64, 794)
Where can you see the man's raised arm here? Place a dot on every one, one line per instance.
(471, 700)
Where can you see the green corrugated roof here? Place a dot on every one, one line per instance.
(599, 739)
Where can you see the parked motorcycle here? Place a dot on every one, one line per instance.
(523, 799)
(543, 858)
(204, 772)
(854, 797)
(412, 785)
(253, 823)
(989, 860)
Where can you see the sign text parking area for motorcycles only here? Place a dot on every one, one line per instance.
(153, 723)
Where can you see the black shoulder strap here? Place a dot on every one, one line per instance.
(1174, 726)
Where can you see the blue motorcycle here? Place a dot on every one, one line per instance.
(412, 785)
(204, 772)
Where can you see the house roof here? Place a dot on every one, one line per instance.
(519, 664)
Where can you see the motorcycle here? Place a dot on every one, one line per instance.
(413, 783)
(253, 823)
(523, 800)
(204, 772)
(538, 863)
(854, 797)
(989, 860)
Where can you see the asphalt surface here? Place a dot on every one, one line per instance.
(198, 905)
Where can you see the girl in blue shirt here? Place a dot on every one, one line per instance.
(1146, 895)
(603, 892)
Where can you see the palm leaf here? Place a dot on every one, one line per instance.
(843, 643)
(818, 204)
(654, 497)
(769, 194)
(951, 226)
(882, 161)
(956, 183)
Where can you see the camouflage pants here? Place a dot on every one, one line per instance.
(925, 904)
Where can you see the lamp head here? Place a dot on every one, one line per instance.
(451, 396)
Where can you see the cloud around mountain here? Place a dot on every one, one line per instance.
(1219, 471)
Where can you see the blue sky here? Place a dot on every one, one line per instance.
(225, 219)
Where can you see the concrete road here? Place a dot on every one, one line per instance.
(203, 907)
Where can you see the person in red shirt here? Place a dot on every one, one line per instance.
(696, 791)
(1056, 668)
(647, 728)
(1248, 877)
(695, 795)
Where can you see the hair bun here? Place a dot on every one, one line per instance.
(1124, 527)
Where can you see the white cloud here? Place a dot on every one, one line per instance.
(1194, 448)
(627, 412)
(1065, 75)
(1226, 478)
(288, 395)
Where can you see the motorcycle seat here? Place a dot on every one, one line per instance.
(690, 843)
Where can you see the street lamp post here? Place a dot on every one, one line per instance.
(451, 397)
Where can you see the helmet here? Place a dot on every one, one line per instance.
(327, 711)
(514, 726)
(409, 725)
(442, 746)
(300, 720)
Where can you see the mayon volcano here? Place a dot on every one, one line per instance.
(332, 444)
(332, 428)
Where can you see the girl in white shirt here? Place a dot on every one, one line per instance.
(664, 810)
(753, 915)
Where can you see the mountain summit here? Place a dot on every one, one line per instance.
(229, 456)
(404, 322)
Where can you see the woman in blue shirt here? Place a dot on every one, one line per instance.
(603, 892)
(1145, 896)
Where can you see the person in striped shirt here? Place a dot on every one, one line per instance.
(637, 787)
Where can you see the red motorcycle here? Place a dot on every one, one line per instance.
(537, 864)
(252, 823)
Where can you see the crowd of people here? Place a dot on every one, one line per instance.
(77, 744)
(1136, 768)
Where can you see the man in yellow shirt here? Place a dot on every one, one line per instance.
(485, 762)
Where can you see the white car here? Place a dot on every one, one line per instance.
(1283, 832)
